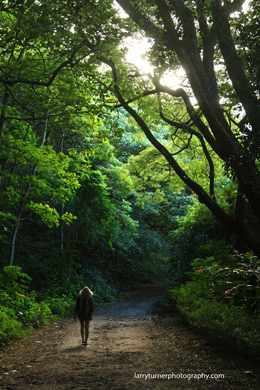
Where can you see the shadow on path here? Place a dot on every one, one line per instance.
(132, 345)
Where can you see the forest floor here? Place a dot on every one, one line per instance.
(131, 341)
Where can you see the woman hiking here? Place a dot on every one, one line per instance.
(84, 309)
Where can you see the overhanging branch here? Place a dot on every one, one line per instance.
(54, 74)
(192, 113)
(211, 204)
(187, 128)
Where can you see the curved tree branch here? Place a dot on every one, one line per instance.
(193, 115)
(146, 93)
(194, 70)
(233, 7)
(69, 61)
(241, 230)
(187, 128)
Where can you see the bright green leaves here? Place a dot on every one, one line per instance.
(39, 179)
(47, 214)
(55, 150)
(40, 166)
(50, 215)
(68, 218)
(103, 216)
(14, 281)
(45, 34)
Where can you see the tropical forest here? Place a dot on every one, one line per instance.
(130, 156)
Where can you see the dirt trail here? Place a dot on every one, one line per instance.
(129, 337)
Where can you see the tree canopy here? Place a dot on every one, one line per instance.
(63, 109)
(109, 176)
(221, 97)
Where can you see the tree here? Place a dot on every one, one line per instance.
(200, 36)
(42, 50)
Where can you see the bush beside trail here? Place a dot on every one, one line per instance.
(22, 310)
(223, 302)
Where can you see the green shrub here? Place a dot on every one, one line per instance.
(21, 310)
(61, 306)
(199, 234)
(25, 309)
(222, 322)
(13, 280)
(223, 302)
(66, 287)
(9, 327)
(237, 281)
(36, 314)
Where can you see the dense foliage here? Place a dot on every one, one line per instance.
(111, 179)
(23, 309)
(222, 299)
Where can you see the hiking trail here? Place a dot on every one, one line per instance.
(130, 339)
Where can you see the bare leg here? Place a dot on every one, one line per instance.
(86, 331)
(82, 330)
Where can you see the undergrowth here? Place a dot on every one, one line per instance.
(223, 303)
(224, 325)
(22, 310)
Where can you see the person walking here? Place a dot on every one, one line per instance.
(83, 310)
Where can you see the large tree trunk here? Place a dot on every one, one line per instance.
(200, 72)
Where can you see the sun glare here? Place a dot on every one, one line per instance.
(137, 55)
(137, 50)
